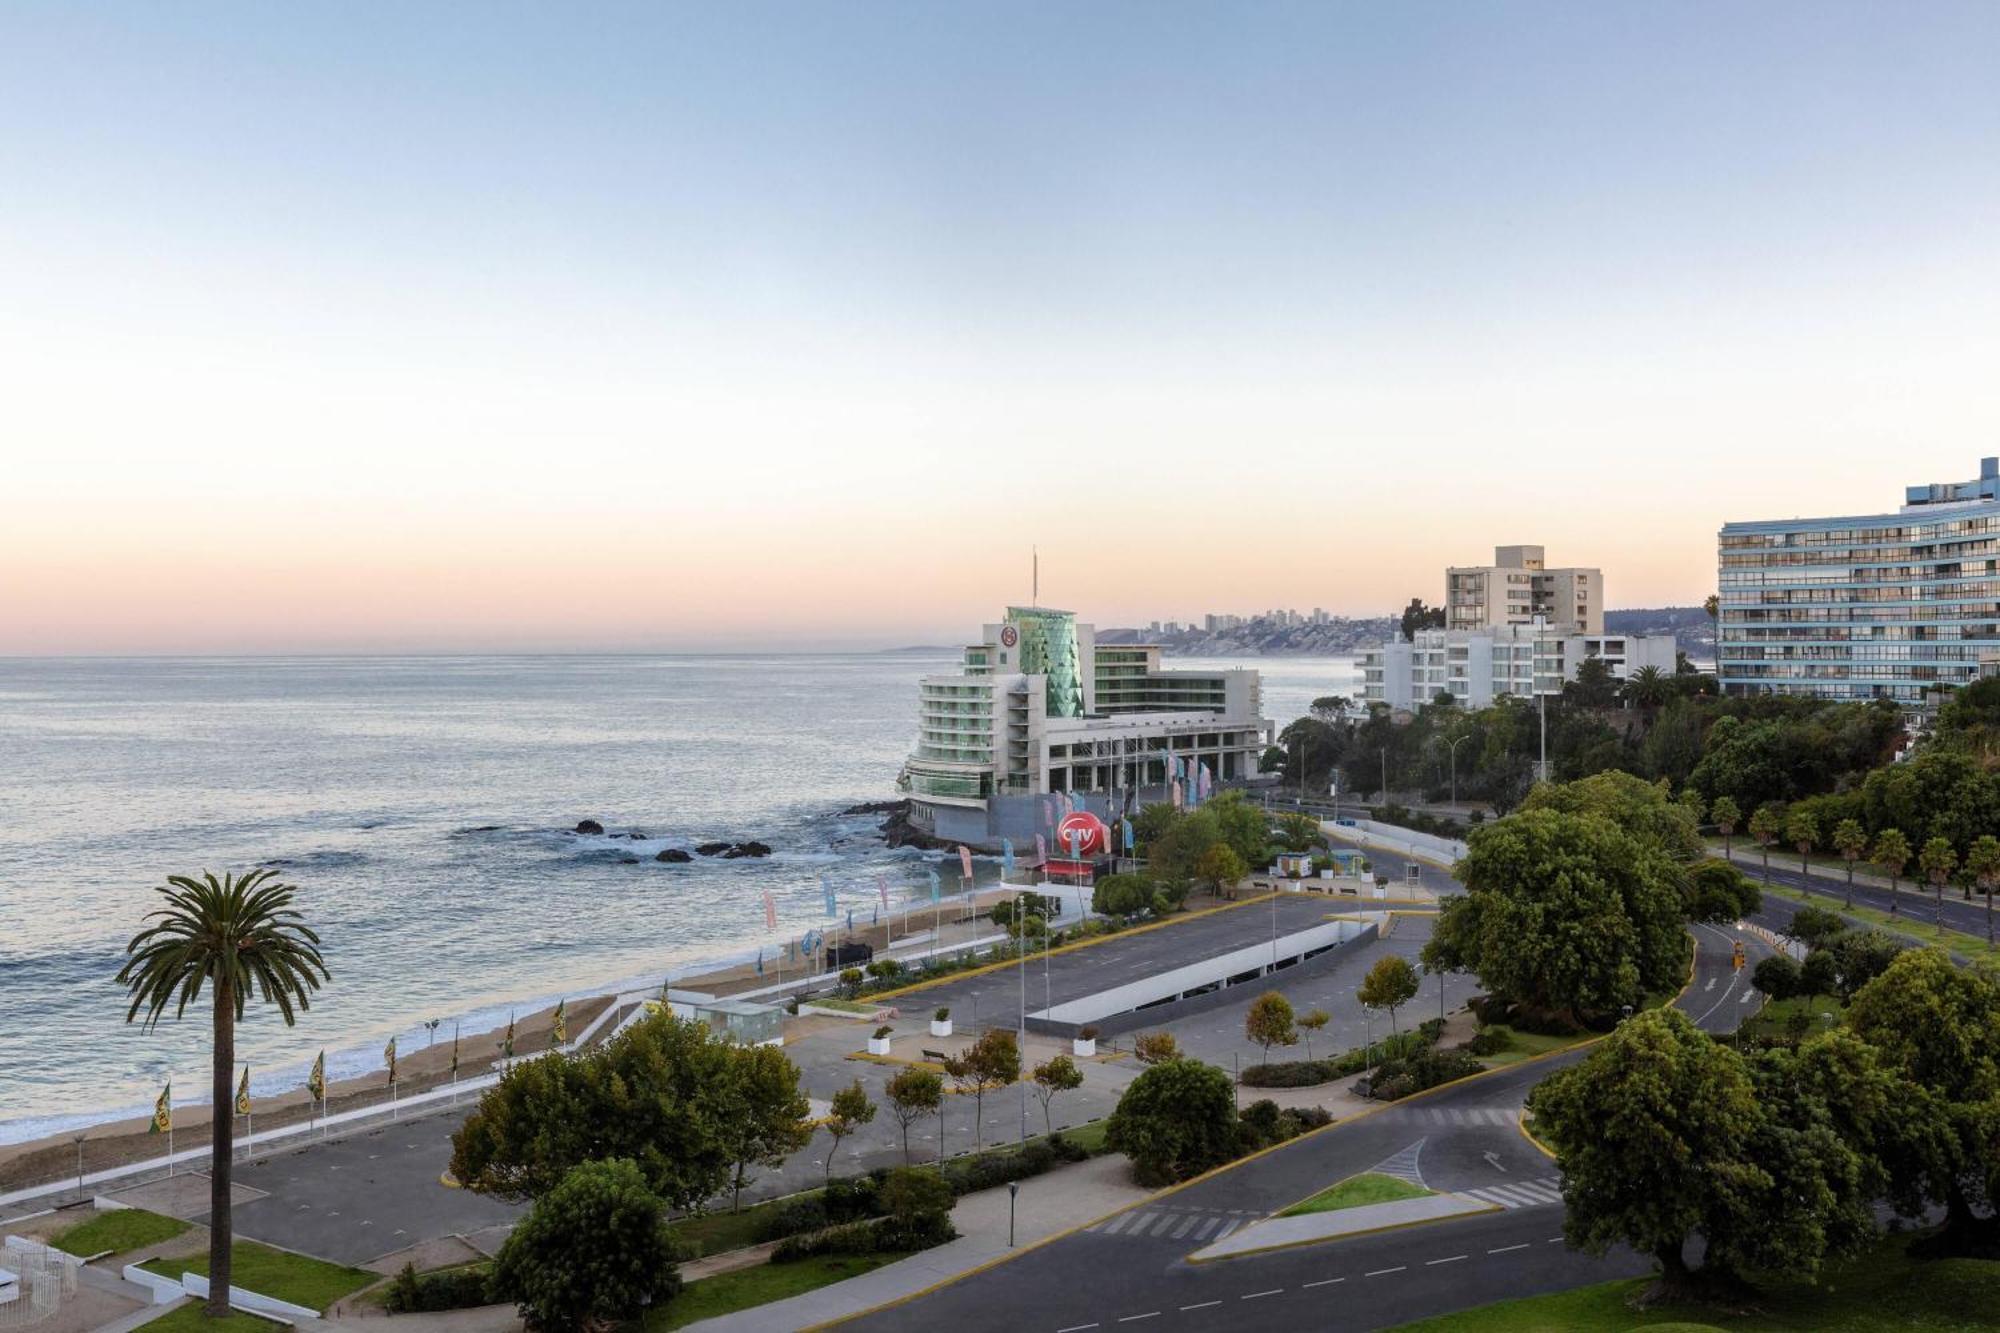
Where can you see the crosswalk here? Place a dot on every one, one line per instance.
(1201, 1225)
(1521, 1194)
(1456, 1115)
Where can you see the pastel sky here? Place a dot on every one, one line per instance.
(356, 327)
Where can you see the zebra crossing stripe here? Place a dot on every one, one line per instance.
(1187, 1224)
(1207, 1225)
(1112, 1227)
(1227, 1228)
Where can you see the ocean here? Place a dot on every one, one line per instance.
(423, 807)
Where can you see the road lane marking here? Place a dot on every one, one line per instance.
(1384, 1272)
(1259, 1295)
(1208, 1225)
(1553, 1240)
(1202, 1306)
(1433, 1263)
(1111, 1229)
(1075, 1328)
(1186, 1223)
(1509, 1249)
(1135, 1318)
(1323, 1282)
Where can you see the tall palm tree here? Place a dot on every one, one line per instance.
(234, 934)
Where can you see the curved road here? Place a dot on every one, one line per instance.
(1131, 1268)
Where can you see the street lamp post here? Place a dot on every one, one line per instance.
(1454, 770)
(79, 1164)
(1013, 1192)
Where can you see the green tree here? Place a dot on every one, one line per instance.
(913, 1093)
(918, 1205)
(1156, 1048)
(1390, 984)
(1861, 956)
(1175, 1120)
(1592, 686)
(765, 1118)
(1640, 809)
(1310, 1023)
(1240, 824)
(851, 1110)
(992, 1061)
(1851, 841)
(1564, 913)
(1937, 1027)
(1221, 868)
(235, 935)
(1815, 926)
(602, 1210)
(1298, 832)
(1726, 817)
(1718, 891)
(657, 1093)
(1890, 854)
(1648, 687)
(1269, 1022)
(1938, 860)
(1776, 976)
(1122, 895)
(1765, 826)
(1803, 831)
(1983, 862)
(1819, 975)
(1655, 1133)
(1055, 1075)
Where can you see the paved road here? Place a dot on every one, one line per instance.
(1915, 909)
(1462, 1138)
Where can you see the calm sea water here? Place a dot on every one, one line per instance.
(421, 806)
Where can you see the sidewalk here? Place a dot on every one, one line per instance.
(1277, 1233)
(1055, 1202)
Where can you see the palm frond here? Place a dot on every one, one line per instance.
(241, 931)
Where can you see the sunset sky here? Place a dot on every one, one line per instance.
(487, 326)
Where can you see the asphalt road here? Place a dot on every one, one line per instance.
(1465, 1137)
(1915, 909)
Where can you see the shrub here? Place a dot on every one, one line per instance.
(422, 1293)
(1156, 1048)
(942, 1013)
(603, 1209)
(852, 1197)
(1087, 1033)
(853, 1238)
(1491, 1040)
(1175, 1121)
(1431, 1029)
(883, 1031)
(1426, 1068)
(793, 1217)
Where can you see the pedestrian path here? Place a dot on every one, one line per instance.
(1521, 1194)
(1454, 1115)
(1201, 1225)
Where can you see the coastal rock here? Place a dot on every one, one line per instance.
(712, 848)
(876, 808)
(636, 835)
(898, 831)
(628, 860)
(673, 854)
(741, 849)
(589, 826)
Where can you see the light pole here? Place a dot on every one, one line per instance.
(1541, 699)
(431, 1026)
(1454, 770)
(79, 1165)
(1385, 774)
(1013, 1191)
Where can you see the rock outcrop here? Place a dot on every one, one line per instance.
(589, 826)
(674, 854)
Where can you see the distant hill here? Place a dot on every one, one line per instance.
(1265, 637)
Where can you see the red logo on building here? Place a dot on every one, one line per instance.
(1082, 835)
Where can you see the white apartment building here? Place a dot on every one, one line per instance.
(1478, 666)
(1517, 587)
(1039, 707)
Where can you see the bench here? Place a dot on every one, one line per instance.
(938, 1057)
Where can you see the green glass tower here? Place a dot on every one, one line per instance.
(1048, 648)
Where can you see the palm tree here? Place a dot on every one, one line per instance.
(1938, 860)
(1649, 687)
(1892, 853)
(1984, 863)
(1850, 840)
(1765, 826)
(1803, 831)
(235, 934)
(1726, 817)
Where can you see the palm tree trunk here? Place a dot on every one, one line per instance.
(223, 1125)
(1895, 897)
(1850, 884)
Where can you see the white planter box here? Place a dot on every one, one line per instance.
(940, 1027)
(878, 1045)
(1083, 1047)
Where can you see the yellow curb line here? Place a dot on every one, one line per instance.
(448, 1182)
(1480, 1211)
(1067, 1232)
(1529, 1135)
(1177, 920)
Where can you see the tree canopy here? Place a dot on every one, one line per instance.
(1175, 1120)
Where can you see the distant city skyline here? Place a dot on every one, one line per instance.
(643, 327)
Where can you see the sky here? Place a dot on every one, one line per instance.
(353, 328)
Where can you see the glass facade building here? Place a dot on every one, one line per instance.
(1871, 606)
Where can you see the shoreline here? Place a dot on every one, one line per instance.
(119, 1140)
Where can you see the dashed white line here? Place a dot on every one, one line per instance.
(1135, 1318)
(1201, 1306)
(1384, 1272)
(1075, 1328)
(1323, 1282)
(1259, 1295)
(1432, 1263)
(1553, 1240)
(1509, 1249)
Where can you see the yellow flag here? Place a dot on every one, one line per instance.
(507, 1045)
(163, 1110)
(243, 1093)
(316, 1081)
(389, 1054)
(561, 1032)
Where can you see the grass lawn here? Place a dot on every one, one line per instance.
(1090, 1136)
(313, 1283)
(1879, 1290)
(1355, 1191)
(749, 1287)
(1526, 1045)
(713, 1233)
(844, 1006)
(1770, 1021)
(1914, 921)
(188, 1318)
(118, 1230)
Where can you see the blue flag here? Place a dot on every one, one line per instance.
(850, 920)
(1126, 824)
(826, 887)
(936, 891)
(1007, 858)
(760, 962)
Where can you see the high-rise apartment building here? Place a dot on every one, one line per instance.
(1867, 606)
(1517, 587)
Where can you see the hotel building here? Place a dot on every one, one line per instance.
(1517, 587)
(1038, 707)
(1866, 606)
(1478, 666)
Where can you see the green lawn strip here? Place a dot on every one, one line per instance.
(1358, 1191)
(280, 1274)
(1527, 1045)
(747, 1288)
(1771, 1020)
(1878, 1290)
(843, 1006)
(118, 1230)
(189, 1318)
(1908, 923)
(714, 1233)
